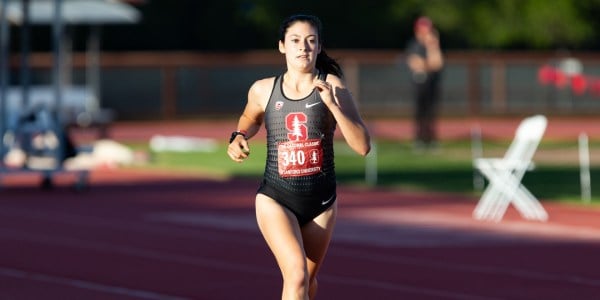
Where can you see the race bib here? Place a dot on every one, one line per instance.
(300, 158)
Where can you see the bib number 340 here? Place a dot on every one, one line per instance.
(300, 158)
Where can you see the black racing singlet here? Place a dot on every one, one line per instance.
(300, 159)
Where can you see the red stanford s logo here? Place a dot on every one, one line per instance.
(295, 123)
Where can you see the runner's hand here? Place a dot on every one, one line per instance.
(326, 91)
(238, 150)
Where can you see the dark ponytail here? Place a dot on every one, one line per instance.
(328, 65)
(325, 63)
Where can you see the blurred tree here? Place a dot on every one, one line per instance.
(357, 25)
(234, 25)
(508, 24)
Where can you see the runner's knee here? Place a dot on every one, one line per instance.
(296, 278)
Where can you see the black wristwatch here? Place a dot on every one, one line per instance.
(234, 134)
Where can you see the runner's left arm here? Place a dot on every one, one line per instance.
(339, 100)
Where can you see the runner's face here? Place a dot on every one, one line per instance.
(301, 45)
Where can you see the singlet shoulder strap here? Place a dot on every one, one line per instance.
(276, 81)
(275, 92)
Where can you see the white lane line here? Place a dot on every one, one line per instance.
(147, 224)
(86, 285)
(395, 286)
(547, 231)
(215, 263)
(134, 252)
(207, 220)
(467, 268)
(212, 262)
(244, 222)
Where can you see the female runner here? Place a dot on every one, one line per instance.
(301, 108)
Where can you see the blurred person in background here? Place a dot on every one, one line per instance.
(296, 203)
(425, 61)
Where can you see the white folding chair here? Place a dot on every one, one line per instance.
(505, 175)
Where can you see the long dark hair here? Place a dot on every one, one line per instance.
(325, 63)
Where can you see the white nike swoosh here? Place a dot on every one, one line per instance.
(328, 200)
(309, 105)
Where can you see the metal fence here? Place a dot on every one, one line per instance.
(172, 85)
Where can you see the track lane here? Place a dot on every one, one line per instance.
(168, 236)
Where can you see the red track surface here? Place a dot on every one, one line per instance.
(138, 235)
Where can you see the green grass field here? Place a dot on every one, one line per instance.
(556, 176)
